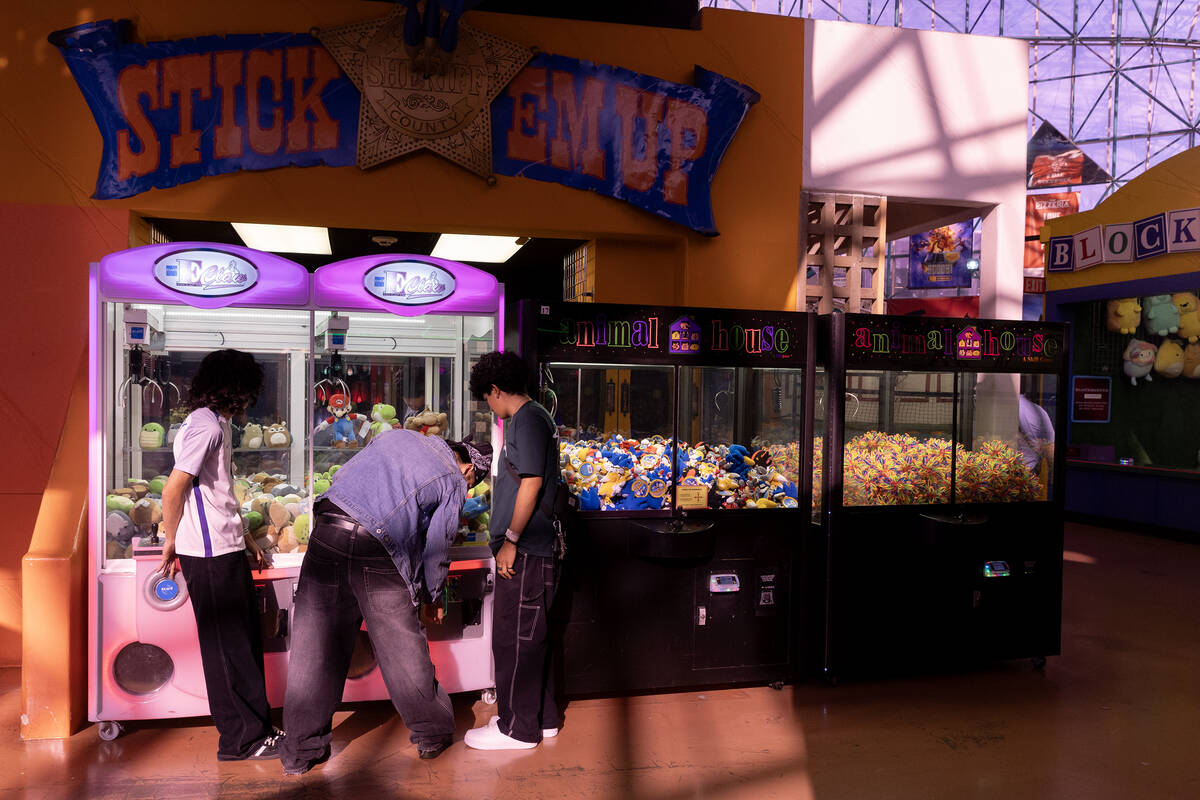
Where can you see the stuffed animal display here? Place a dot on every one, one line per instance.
(132, 510)
(277, 435)
(271, 510)
(343, 419)
(252, 436)
(1169, 361)
(383, 418)
(430, 423)
(1188, 306)
(152, 436)
(633, 474)
(1124, 315)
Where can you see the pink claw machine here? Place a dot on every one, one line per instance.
(156, 311)
(396, 337)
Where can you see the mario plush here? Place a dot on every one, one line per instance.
(342, 419)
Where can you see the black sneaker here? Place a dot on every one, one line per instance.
(434, 750)
(266, 750)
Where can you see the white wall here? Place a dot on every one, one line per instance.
(924, 115)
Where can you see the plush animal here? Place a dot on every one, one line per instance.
(1189, 315)
(1161, 317)
(1169, 361)
(152, 436)
(173, 431)
(277, 435)
(383, 418)
(1139, 359)
(428, 422)
(343, 420)
(146, 512)
(1191, 361)
(1124, 315)
(252, 436)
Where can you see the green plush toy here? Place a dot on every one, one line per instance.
(254, 520)
(157, 485)
(383, 418)
(321, 486)
(153, 435)
(333, 470)
(116, 502)
(300, 529)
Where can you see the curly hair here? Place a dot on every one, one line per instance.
(506, 371)
(227, 381)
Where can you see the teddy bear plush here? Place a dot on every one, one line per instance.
(1161, 317)
(1124, 315)
(430, 423)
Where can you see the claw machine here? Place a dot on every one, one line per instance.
(685, 435)
(156, 311)
(395, 337)
(940, 477)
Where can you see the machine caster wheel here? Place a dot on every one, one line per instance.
(110, 730)
(488, 696)
(1039, 662)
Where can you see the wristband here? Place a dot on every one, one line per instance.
(511, 536)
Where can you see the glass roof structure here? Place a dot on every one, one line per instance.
(1117, 77)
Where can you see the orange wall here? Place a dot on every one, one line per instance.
(50, 150)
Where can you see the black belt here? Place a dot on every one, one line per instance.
(330, 515)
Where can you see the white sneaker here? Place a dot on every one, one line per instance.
(490, 737)
(547, 733)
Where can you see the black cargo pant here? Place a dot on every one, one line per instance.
(520, 648)
(222, 593)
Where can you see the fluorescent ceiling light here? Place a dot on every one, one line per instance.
(488, 249)
(284, 238)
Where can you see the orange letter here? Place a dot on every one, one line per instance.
(181, 76)
(577, 121)
(638, 173)
(131, 85)
(227, 139)
(527, 137)
(324, 129)
(262, 65)
(683, 116)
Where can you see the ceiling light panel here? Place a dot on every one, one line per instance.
(284, 238)
(485, 249)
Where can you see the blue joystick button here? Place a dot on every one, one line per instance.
(166, 590)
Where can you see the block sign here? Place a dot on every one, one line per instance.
(1091, 398)
(409, 283)
(205, 273)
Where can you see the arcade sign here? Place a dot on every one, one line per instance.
(409, 283)
(205, 273)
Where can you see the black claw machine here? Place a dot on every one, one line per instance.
(943, 491)
(685, 433)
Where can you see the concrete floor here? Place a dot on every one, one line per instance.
(1116, 716)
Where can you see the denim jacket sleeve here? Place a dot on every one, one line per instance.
(449, 494)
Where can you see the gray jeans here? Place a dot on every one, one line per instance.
(348, 576)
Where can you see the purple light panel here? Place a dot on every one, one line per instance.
(129, 275)
(340, 286)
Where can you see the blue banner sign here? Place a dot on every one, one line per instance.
(173, 112)
(650, 142)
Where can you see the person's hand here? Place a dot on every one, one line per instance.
(434, 613)
(261, 559)
(505, 559)
(169, 564)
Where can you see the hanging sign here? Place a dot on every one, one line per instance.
(1038, 209)
(1054, 160)
(409, 283)
(985, 345)
(205, 273)
(1123, 242)
(938, 259)
(177, 111)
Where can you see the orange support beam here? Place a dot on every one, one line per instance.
(54, 587)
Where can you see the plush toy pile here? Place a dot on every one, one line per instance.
(896, 469)
(635, 474)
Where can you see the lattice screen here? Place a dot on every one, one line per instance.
(579, 274)
(843, 238)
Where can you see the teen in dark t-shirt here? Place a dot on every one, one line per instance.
(523, 541)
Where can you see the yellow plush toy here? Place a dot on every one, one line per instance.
(1124, 315)
(1191, 361)
(1189, 315)
(1169, 361)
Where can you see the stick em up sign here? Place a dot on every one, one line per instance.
(173, 112)
(594, 332)
(972, 345)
